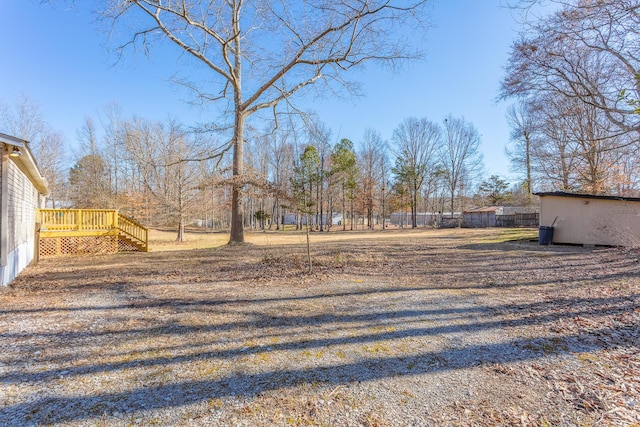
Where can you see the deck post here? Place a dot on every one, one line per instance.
(36, 243)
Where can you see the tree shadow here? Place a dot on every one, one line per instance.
(247, 385)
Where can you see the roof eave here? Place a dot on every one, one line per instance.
(26, 162)
(586, 196)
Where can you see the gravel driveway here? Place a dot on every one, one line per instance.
(416, 329)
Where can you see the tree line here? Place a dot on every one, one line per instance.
(166, 174)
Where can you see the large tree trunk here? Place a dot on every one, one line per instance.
(237, 209)
(344, 209)
(414, 207)
(321, 202)
(180, 236)
(351, 211)
(452, 202)
(329, 205)
(384, 222)
(528, 166)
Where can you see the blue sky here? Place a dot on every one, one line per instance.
(57, 57)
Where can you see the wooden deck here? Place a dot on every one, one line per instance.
(82, 231)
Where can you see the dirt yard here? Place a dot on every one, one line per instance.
(393, 328)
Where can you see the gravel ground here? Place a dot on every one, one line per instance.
(412, 329)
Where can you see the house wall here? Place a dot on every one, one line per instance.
(22, 200)
(592, 221)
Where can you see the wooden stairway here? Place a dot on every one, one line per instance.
(131, 235)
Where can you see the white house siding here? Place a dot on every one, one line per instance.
(22, 203)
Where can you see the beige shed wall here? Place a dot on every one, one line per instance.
(592, 221)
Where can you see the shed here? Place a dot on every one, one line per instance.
(591, 220)
(22, 193)
(481, 217)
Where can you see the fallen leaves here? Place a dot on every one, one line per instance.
(385, 332)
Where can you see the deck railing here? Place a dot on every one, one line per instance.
(78, 219)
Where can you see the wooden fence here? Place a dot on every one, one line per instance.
(524, 220)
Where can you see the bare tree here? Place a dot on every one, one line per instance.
(257, 160)
(434, 192)
(589, 50)
(263, 52)
(175, 185)
(626, 172)
(460, 156)
(582, 63)
(282, 167)
(384, 169)
(319, 135)
(89, 177)
(588, 129)
(417, 142)
(575, 149)
(524, 125)
(553, 157)
(23, 119)
(372, 167)
(113, 145)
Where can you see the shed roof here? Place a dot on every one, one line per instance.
(484, 209)
(587, 196)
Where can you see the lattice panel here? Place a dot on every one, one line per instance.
(125, 245)
(57, 246)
